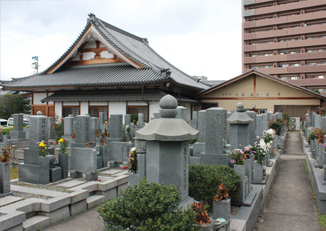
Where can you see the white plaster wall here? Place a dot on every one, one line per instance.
(58, 109)
(106, 54)
(153, 108)
(117, 108)
(83, 108)
(88, 55)
(37, 98)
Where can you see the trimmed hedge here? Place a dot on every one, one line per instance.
(205, 179)
(147, 206)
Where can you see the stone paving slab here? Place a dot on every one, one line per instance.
(9, 200)
(112, 171)
(71, 183)
(37, 191)
(105, 178)
(120, 174)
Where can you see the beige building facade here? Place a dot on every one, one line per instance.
(261, 92)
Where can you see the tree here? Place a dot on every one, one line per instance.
(10, 104)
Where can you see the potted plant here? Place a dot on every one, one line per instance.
(5, 168)
(202, 218)
(222, 203)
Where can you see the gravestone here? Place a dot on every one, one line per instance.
(202, 126)
(252, 127)
(227, 132)
(118, 151)
(313, 115)
(273, 117)
(69, 125)
(115, 127)
(279, 115)
(194, 120)
(93, 129)
(140, 120)
(5, 179)
(167, 150)
(18, 133)
(84, 160)
(259, 126)
(127, 119)
(82, 132)
(323, 123)
(318, 121)
(181, 113)
(51, 129)
(239, 127)
(265, 122)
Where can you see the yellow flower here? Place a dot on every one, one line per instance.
(60, 141)
(42, 144)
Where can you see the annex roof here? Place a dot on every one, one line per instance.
(145, 65)
(263, 75)
(111, 96)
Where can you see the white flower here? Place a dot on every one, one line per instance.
(133, 149)
(262, 144)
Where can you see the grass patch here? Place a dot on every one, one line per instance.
(13, 172)
(306, 166)
(322, 221)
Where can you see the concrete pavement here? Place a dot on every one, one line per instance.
(290, 205)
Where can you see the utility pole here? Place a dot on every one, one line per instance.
(35, 63)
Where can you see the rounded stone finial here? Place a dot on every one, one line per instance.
(240, 107)
(39, 113)
(168, 105)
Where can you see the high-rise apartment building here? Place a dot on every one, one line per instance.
(286, 39)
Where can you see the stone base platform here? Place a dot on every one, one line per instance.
(34, 207)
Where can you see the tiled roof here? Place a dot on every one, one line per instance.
(212, 83)
(111, 96)
(156, 69)
(100, 75)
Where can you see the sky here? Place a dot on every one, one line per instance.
(200, 37)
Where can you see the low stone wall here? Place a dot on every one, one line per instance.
(35, 213)
(316, 176)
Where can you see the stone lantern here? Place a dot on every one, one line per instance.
(167, 152)
(239, 127)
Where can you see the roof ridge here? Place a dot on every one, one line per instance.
(122, 31)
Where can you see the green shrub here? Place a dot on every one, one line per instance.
(147, 206)
(312, 136)
(276, 126)
(6, 131)
(205, 179)
(134, 118)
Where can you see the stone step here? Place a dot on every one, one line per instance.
(36, 223)
(94, 200)
(9, 200)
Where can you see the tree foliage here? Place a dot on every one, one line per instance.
(10, 104)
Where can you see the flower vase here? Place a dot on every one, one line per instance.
(63, 163)
(248, 164)
(222, 209)
(44, 169)
(4, 178)
(208, 227)
(241, 171)
(257, 173)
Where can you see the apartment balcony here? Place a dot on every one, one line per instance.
(285, 57)
(292, 70)
(285, 45)
(285, 19)
(283, 7)
(250, 2)
(285, 32)
(309, 82)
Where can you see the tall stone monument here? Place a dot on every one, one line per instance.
(167, 152)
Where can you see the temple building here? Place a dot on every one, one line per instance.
(107, 70)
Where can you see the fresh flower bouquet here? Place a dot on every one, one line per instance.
(269, 135)
(133, 160)
(42, 147)
(247, 152)
(63, 145)
(259, 150)
(237, 157)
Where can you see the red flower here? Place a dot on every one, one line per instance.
(126, 167)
